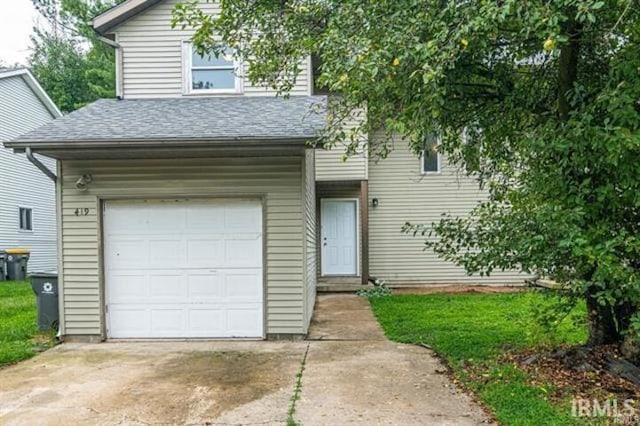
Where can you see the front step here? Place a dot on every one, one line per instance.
(324, 287)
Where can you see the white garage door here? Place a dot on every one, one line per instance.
(183, 268)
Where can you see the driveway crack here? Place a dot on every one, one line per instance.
(297, 390)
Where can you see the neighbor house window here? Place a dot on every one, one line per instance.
(211, 73)
(26, 223)
(430, 158)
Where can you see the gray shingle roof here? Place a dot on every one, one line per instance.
(176, 119)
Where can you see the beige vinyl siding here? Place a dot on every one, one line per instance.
(405, 194)
(310, 234)
(277, 180)
(152, 55)
(332, 165)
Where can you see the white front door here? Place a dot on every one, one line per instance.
(339, 237)
(183, 268)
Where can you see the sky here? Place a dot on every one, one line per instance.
(17, 18)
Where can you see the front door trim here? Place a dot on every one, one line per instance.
(357, 235)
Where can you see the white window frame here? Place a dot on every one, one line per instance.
(438, 160)
(20, 228)
(187, 81)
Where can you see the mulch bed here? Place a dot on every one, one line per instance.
(575, 372)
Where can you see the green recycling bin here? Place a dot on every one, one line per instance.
(45, 287)
(3, 265)
(16, 264)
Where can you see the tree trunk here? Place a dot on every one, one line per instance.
(630, 345)
(630, 348)
(568, 66)
(603, 329)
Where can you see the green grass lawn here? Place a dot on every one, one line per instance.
(19, 335)
(471, 331)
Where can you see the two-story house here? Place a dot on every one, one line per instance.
(27, 196)
(193, 205)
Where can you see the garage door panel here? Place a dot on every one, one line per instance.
(128, 287)
(128, 253)
(168, 322)
(126, 220)
(168, 286)
(205, 252)
(129, 321)
(238, 218)
(165, 218)
(184, 268)
(243, 286)
(243, 251)
(164, 251)
(241, 322)
(207, 322)
(205, 216)
(205, 287)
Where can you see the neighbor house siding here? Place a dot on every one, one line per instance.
(152, 55)
(277, 179)
(406, 195)
(310, 233)
(21, 183)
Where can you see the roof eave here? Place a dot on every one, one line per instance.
(120, 13)
(36, 145)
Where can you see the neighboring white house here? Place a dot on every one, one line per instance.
(27, 196)
(194, 206)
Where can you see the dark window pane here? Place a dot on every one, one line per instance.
(430, 155)
(213, 79)
(25, 219)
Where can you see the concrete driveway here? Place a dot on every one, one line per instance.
(350, 374)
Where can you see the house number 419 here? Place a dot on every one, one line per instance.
(82, 212)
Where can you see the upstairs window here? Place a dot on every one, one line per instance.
(25, 219)
(211, 73)
(430, 158)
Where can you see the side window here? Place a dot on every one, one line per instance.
(26, 219)
(211, 74)
(430, 158)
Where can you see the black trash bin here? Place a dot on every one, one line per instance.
(3, 265)
(45, 286)
(16, 264)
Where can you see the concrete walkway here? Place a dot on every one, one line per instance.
(354, 375)
(350, 375)
(344, 317)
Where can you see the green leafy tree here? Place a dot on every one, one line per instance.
(539, 100)
(69, 60)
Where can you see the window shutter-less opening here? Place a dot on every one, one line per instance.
(430, 157)
(25, 219)
(211, 73)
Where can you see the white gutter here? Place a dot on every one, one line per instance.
(61, 310)
(41, 166)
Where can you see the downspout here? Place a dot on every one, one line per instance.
(44, 169)
(118, 49)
